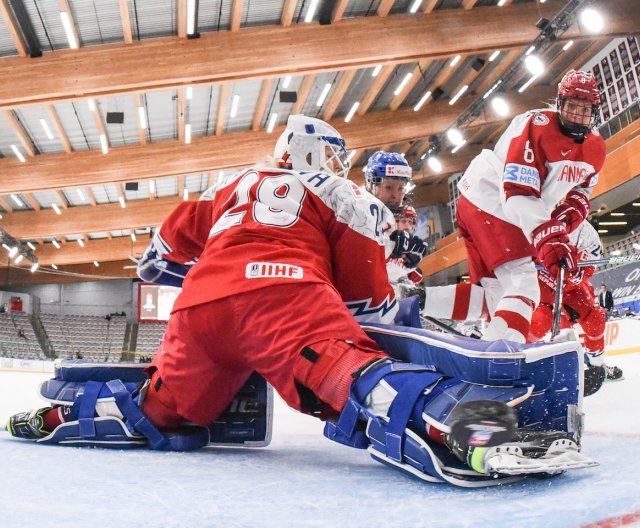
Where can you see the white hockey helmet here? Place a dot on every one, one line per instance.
(309, 144)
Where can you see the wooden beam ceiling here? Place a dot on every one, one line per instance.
(172, 158)
(168, 62)
(83, 272)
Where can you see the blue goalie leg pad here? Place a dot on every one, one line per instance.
(400, 438)
(247, 421)
(134, 429)
(408, 312)
(553, 369)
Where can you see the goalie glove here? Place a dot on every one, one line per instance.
(152, 267)
(572, 211)
(552, 244)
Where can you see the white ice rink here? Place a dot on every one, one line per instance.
(304, 480)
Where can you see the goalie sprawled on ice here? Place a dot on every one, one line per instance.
(286, 257)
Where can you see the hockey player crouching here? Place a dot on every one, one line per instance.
(286, 257)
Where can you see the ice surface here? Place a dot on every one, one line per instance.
(304, 480)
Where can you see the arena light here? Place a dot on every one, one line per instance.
(376, 70)
(415, 6)
(618, 214)
(323, 94)
(460, 93)
(636, 204)
(103, 144)
(55, 207)
(455, 61)
(80, 242)
(592, 20)
(614, 223)
(286, 81)
(19, 259)
(567, 45)
(31, 246)
(311, 11)
(191, 17)
(45, 127)
(55, 243)
(54, 266)
(187, 133)
(500, 106)
(34, 267)
(403, 83)
(18, 154)
(96, 264)
(501, 2)
(455, 136)
(68, 29)
(494, 55)
(422, 100)
(13, 251)
(234, 105)
(142, 117)
(492, 89)
(133, 236)
(185, 194)
(5, 246)
(152, 187)
(351, 112)
(459, 146)
(603, 231)
(272, 122)
(92, 104)
(534, 65)
(530, 50)
(122, 202)
(16, 200)
(528, 83)
(434, 164)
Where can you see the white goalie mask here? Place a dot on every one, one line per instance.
(309, 144)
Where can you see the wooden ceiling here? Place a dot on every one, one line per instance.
(137, 68)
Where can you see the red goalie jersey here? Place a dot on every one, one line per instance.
(273, 226)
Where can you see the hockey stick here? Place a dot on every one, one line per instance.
(617, 261)
(448, 328)
(557, 305)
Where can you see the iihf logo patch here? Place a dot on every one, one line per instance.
(541, 120)
(272, 270)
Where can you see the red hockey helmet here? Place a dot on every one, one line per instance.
(409, 212)
(578, 88)
(579, 85)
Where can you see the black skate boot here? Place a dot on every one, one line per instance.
(29, 424)
(613, 373)
(594, 377)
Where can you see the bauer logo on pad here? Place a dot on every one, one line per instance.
(264, 270)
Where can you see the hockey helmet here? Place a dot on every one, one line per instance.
(578, 86)
(309, 144)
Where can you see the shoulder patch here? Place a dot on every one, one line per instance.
(540, 119)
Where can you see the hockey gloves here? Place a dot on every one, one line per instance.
(408, 247)
(552, 244)
(572, 211)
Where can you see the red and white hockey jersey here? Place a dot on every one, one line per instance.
(265, 227)
(532, 167)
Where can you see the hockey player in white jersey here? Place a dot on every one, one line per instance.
(521, 200)
(387, 176)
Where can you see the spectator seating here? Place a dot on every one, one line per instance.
(17, 338)
(149, 337)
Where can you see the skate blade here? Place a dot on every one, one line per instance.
(515, 463)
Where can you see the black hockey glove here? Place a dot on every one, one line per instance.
(415, 253)
(402, 240)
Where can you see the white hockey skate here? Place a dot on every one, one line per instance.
(530, 453)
